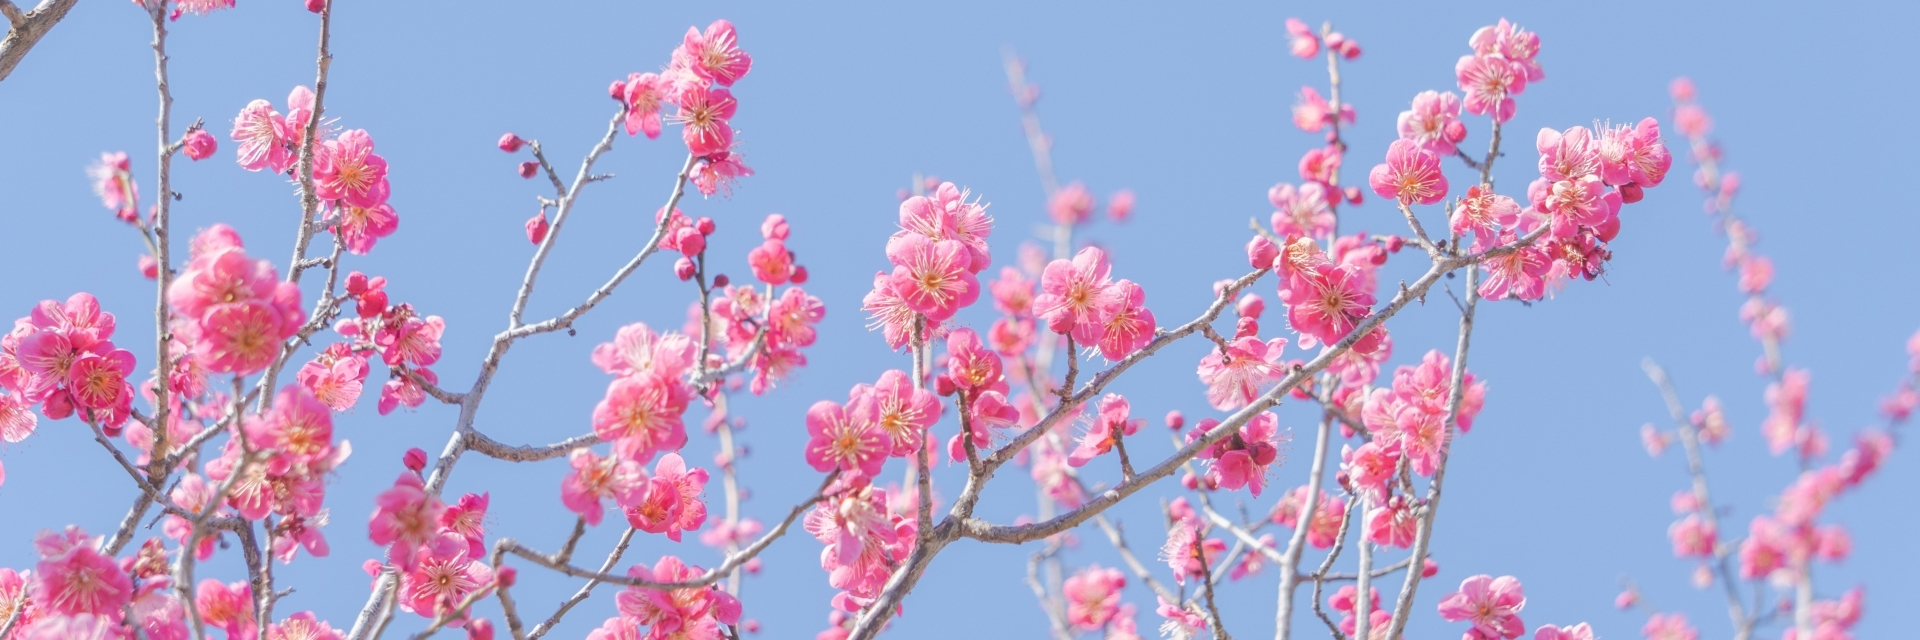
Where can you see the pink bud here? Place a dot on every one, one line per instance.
(1261, 252)
(372, 567)
(1608, 229)
(1120, 205)
(799, 275)
(752, 626)
(705, 225)
(1631, 193)
(356, 284)
(1246, 328)
(618, 90)
(507, 576)
(1354, 196)
(149, 267)
(1682, 89)
(415, 459)
(944, 385)
(113, 431)
(1190, 481)
(1349, 49)
(1428, 568)
(1378, 258)
(1176, 420)
(527, 169)
(372, 303)
(316, 6)
(683, 269)
(1626, 600)
(775, 227)
(1455, 131)
(510, 143)
(479, 629)
(200, 144)
(721, 280)
(1251, 306)
(1335, 39)
(690, 242)
(1394, 243)
(537, 228)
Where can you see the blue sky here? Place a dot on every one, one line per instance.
(1187, 106)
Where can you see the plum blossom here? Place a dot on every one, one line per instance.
(404, 518)
(1241, 460)
(1093, 596)
(1110, 424)
(1234, 378)
(1433, 122)
(1304, 211)
(442, 576)
(1077, 297)
(346, 169)
(933, 277)
(1411, 174)
(845, 438)
(596, 479)
(1491, 604)
(641, 414)
(1490, 82)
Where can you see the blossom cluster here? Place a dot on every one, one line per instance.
(348, 178)
(698, 82)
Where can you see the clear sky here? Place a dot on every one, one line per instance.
(1187, 104)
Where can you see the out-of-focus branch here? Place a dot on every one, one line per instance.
(1289, 562)
(27, 30)
(1696, 468)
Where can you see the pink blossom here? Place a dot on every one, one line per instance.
(1301, 212)
(1491, 604)
(1326, 303)
(845, 438)
(1236, 377)
(75, 627)
(229, 607)
(336, 377)
(645, 93)
(718, 171)
(641, 414)
(1185, 548)
(1490, 82)
(903, 413)
(1131, 325)
(73, 578)
(1411, 174)
(402, 390)
(1371, 467)
(1071, 205)
(1692, 537)
(1520, 275)
(679, 613)
(1242, 459)
(1012, 292)
(932, 277)
(1093, 597)
(1433, 122)
(1576, 632)
(361, 227)
(1077, 296)
(1312, 113)
(404, 518)
(1392, 524)
(1668, 626)
(595, 479)
(715, 55)
(771, 262)
(1108, 426)
(703, 115)
(99, 381)
(1479, 213)
(672, 502)
(265, 142)
(1302, 41)
(346, 169)
(1120, 205)
(637, 350)
(442, 576)
(113, 183)
(1321, 165)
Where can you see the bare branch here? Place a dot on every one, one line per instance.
(28, 29)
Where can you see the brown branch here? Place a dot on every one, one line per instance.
(586, 590)
(27, 30)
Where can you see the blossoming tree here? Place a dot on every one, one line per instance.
(227, 433)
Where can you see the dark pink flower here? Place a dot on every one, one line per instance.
(1411, 174)
(932, 277)
(704, 115)
(347, 169)
(715, 55)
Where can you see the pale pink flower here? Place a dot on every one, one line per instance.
(361, 227)
(1312, 113)
(1513, 43)
(1491, 604)
(1520, 275)
(1181, 623)
(947, 214)
(401, 390)
(596, 479)
(1071, 205)
(657, 509)
(715, 55)
(1392, 524)
(933, 277)
(771, 262)
(1433, 122)
(1013, 292)
(641, 415)
(1120, 205)
(1576, 632)
(1669, 626)
(681, 487)
(1371, 467)
(346, 169)
(76, 627)
(1093, 597)
(1326, 303)
(1411, 174)
(680, 613)
(1303, 43)
(1185, 548)
(845, 438)
(718, 171)
(636, 350)
(113, 183)
(1692, 537)
(1301, 212)
(302, 626)
(1077, 296)
(336, 377)
(1236, 377)
(1479, 213)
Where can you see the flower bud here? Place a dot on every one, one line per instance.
(356, 284)
(527, 169)
(1176, 420)
(721, 280)
(1455, 131)
(775, 227)
(1246, 328)
(1349, 49)
(1394, 243)
(690, 242)
(510, 143)
(199, 144)
(415, 459)
(537, 228)
(943, 385)
(1120, 205)
(1190, 481)
(1261, 252)
(149, 267)
(683, 269)
(1354, 196)
(1251, 306)
(1631, 193)
(479, 629)
(618, 90)
(704, 225)
(799, 275)
(1609, 229)
(507, 576)
(1428, 568)
(316, 6)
